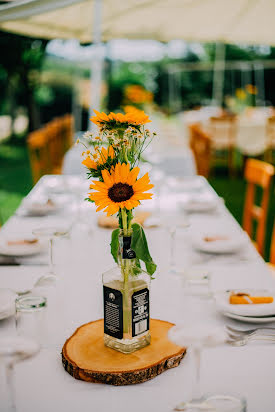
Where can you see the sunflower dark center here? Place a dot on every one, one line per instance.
(120, 192)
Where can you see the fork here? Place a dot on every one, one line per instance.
(248, 331)
(242, 341)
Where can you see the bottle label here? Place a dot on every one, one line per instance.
(140, 312)
(113, 312)
(125, 247)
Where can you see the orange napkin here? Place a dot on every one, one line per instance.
(246, 299)
(22, 242)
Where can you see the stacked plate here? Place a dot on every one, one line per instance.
(250, 313)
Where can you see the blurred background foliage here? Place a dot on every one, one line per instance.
(43, 86)
(39, 87)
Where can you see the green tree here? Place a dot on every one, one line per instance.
(21, 60)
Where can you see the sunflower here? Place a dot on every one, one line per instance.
(99, 158)
(120, 189)
(135, 118)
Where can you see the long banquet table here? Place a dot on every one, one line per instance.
(41, 382)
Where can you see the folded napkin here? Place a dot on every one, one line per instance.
(21, 242)
(111, 222)
(246, 299)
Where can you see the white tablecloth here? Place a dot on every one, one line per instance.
(43, 385)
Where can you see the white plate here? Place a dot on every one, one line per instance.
(7, 303)
(229, 243)
(197, 205)
(265, 309)
(20, 250)
(186, 184)
(38, 208)
(250, 319)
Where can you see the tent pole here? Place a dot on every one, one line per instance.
(218, 75)
(97, 61)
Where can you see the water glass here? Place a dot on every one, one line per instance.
(30, 317)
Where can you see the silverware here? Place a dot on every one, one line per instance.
(244, 340)
(248, 331)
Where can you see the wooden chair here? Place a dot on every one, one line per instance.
(47, 146)
(200, 144)
(223, 131)
(38, 154)
(270, 139)
(272, 248)
(68, 131)
(60, 139)
(257, 173)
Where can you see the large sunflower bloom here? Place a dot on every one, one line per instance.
(135, 118)
(100, 157)
(120, 189)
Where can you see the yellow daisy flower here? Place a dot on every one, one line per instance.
(133, 117)
(102, 157)
(120, 189)
(240, 94)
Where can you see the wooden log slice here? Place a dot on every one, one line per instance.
(85, 356)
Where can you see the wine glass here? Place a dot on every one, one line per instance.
(172, 222)
(13, 350)
(49, 233)
(196, 338)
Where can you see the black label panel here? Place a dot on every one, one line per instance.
(113, 312)
(140, 312)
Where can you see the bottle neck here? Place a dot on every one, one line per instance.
(125, 251)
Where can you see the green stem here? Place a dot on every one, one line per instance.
(124, 221)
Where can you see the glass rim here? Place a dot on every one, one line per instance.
(51, 231)
(234, 396)
(30, 303)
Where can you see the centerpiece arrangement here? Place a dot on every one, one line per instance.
(112, 157)
(243, 99)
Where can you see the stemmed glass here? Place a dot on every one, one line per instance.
(49, 233)
(196, 338)
(13, 350)
(173, 222)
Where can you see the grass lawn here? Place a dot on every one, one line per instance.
(15, 178)
(16, 182)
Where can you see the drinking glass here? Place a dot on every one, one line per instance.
(30, 317)
(196, 282)
(13, 350)
(196, 338)
(49, 233)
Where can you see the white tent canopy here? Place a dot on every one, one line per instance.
(234, 21)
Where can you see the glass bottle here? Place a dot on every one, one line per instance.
(126, 302)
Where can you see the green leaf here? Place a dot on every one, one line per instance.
(140, 246)
(115, 244)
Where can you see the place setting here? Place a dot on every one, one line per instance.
(247, 305)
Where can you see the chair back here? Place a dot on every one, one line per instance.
(270, 132)
(257, 173)
(38, 154)
(47, 146)
(200, 144)
(272, 247)
(223, 130)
